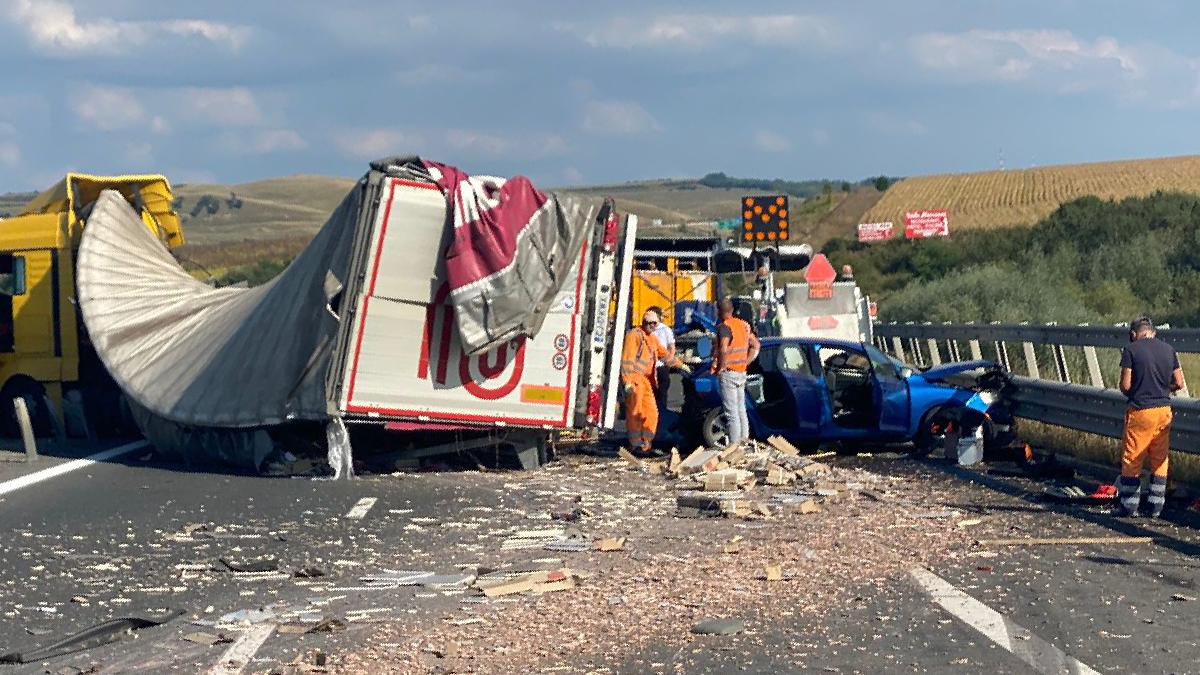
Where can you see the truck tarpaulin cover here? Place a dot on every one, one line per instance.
(242, 358)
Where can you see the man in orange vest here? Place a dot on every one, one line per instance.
(737, 347)
(641, 354)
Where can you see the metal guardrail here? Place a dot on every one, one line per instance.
(1093, 409)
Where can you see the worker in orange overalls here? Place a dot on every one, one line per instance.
(1150, 373)
(638, 360)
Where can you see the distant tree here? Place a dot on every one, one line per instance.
(845, 186)
(234, 201)
(882, 183)
(827, 190)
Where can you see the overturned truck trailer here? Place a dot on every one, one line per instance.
(432, 303)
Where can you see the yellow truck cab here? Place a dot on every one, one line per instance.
(44, 353)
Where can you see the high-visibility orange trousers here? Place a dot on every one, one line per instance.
(641, 413)
(1147, 432)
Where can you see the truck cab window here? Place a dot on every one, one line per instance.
(12, 282)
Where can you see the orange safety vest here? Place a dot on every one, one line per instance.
(640, 354)
(737, 357)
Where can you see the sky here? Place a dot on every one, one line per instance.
(590, 93)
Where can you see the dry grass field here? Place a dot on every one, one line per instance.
(1008, 198)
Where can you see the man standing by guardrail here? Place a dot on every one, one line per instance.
(1150, 373)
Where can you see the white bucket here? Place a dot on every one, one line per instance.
(970, 448)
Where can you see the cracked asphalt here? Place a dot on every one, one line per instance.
(136, 538)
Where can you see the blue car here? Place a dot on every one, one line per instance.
(813, 391)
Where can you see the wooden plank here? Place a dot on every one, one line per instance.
(1066, 541)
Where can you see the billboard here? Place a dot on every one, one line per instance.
(764, 219)
(925, 224)
(868, 232)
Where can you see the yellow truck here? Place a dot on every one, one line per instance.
(45, 356)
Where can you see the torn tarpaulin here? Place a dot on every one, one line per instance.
(97, 635)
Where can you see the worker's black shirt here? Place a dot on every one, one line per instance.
(1153, 363)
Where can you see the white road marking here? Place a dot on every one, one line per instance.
(360, 509)
(1039, 654)
(238, 656)
(67, 467)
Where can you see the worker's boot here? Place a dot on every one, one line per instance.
(1157, 498)
(1129, 490)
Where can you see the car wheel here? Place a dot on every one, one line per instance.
(713, 429)
(930, 433)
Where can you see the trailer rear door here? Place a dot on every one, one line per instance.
(403, 355)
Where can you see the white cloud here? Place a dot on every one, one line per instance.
(53, 27)
(278, 140)
(893, 125)
(711, 31)
(486, 144)
(140, 153)
(573, 176)
(370, 144)
(436, 72)
(108, 108)
(10, 154)
(617, 118)
(769, 141)
(987, 56)
(1060, 61)
(235, 106)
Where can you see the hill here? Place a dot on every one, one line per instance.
(1009, 198)
(266, 209)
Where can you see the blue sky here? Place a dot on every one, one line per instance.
(571, 93)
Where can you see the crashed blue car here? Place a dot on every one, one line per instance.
(813, 391)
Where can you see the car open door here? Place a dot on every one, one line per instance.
(891, 392)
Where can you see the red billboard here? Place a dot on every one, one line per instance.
(868, 232)
(925, 224)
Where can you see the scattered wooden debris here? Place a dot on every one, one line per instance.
(1067, 541)
(610, 544)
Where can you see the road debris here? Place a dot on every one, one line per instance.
(610, 544)
(719, 627)
(95, 636)
(1067, 541)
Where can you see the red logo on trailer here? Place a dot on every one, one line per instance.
(925, 224)
(820, 276)
(488, 366)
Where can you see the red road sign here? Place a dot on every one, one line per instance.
(820, 276)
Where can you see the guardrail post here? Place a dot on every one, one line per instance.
(918, 357)
(31, 453)
(934, 357)
(952, 348)
(1060, 364)
(1031, 363)
(1093, 365)
(898, 348)
(976, 352)
(1002, 355)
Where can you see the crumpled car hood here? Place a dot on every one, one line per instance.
(939, 373)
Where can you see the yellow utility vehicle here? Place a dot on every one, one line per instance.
(45, 356)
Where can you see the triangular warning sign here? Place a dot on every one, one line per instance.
(820, 276)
